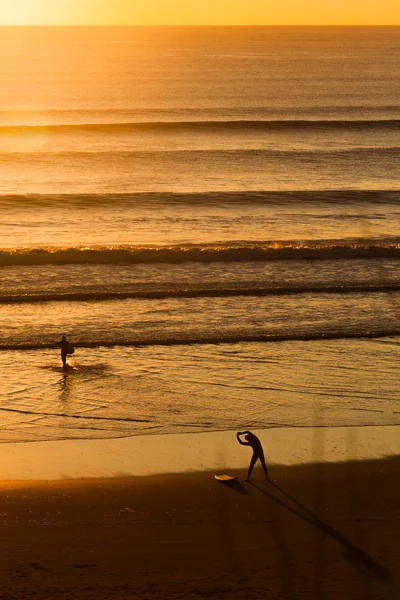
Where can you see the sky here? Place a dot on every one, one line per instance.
(199, 12)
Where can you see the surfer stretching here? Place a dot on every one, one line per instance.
(258, 452)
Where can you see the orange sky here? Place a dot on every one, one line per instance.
(199, 12)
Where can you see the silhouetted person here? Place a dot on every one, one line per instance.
(258, 452)
(65, 347)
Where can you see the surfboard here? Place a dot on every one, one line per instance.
(225, 478)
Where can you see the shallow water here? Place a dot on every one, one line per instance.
(135, 391)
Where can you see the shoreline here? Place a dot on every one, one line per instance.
(192, 452)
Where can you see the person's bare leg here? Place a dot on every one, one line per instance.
(253, 461)
(264, 466)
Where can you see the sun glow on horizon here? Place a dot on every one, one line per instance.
(199, 12)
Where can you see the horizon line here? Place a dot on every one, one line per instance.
(204, 25)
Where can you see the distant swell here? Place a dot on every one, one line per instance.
(228, 198)
(197, 293)
(225, 339)
(222, 125)
(247, 251)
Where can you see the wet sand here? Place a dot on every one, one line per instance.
(192, 452)
(323, 531)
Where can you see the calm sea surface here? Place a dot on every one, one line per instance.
(211, 216)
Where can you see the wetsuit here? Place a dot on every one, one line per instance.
(64, 351)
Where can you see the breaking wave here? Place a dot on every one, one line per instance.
(223, 252)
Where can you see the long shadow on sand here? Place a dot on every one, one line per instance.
(235, 485)
(355, 553)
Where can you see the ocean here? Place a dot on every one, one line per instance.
(211, 217)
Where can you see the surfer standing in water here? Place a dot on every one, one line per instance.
(258, 452)
(65, 350)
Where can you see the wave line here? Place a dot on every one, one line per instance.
(223, 125)
(46, 414)
(228, 339)
(204, 253)
(197, 293)
(343, 196)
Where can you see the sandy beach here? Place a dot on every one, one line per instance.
(316, 531)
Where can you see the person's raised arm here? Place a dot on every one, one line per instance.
(239, 433)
